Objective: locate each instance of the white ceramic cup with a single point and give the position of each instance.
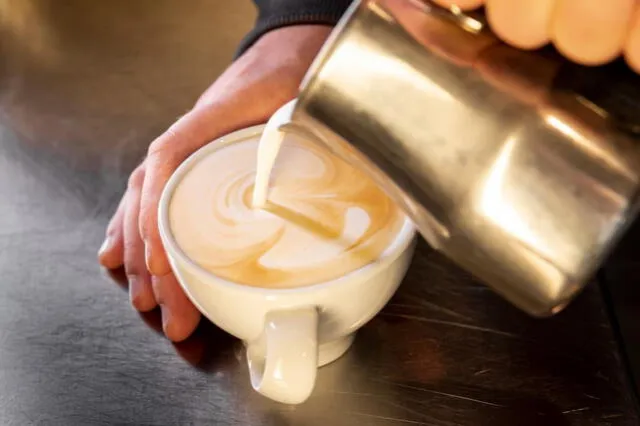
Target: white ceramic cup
(288, 333)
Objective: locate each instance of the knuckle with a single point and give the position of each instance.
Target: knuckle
(144, 224)
(147, 214)
(136, 179)
(162, 145)
(133, 255)
(130, 259)
(157, 147)
(163, 152)
(114, 228)
(161, 158)
(131, 269)
(156, 288)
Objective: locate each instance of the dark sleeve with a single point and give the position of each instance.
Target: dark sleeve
(274, 14)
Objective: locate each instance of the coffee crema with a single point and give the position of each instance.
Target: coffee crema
(322, 220)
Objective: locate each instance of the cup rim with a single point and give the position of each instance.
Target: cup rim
(399, 245)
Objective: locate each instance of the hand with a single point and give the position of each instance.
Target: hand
(591, 32)
(248, 93)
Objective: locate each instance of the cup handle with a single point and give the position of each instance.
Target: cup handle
(283, 361)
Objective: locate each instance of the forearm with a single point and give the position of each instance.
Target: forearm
(281, 13)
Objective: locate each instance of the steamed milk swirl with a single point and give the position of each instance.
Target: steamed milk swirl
(322, 219)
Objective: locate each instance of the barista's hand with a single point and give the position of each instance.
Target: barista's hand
(591, 32)
(249, 91)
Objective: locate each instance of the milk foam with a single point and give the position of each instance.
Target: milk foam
(322, 220)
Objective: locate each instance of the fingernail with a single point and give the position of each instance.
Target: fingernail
(167, 319)
(139, 294)
(147, 255)
(134, 290)
(106, 245)
(155, 285)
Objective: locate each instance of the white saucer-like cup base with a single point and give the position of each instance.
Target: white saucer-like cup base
(331, 351)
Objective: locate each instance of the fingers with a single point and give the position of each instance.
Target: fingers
(111, 253)
(179, 317)
(591, 32)
(125, 246)
(166, 153)
(632, 46)
(522, 23)
(462, 4)
(140, 291)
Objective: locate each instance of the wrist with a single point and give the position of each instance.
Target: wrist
(298, 44)
(268, 74)
(285, 54)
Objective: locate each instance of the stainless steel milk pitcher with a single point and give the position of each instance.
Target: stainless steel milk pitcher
(522, 168)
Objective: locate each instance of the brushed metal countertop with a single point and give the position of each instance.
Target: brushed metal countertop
(84, 87)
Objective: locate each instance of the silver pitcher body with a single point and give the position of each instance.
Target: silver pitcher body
(505, 161)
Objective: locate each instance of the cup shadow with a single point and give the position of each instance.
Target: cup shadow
(208, 349)
(118, 276)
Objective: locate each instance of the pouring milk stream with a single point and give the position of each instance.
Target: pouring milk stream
(268, 149)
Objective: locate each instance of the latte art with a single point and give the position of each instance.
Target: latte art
(322, 220)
